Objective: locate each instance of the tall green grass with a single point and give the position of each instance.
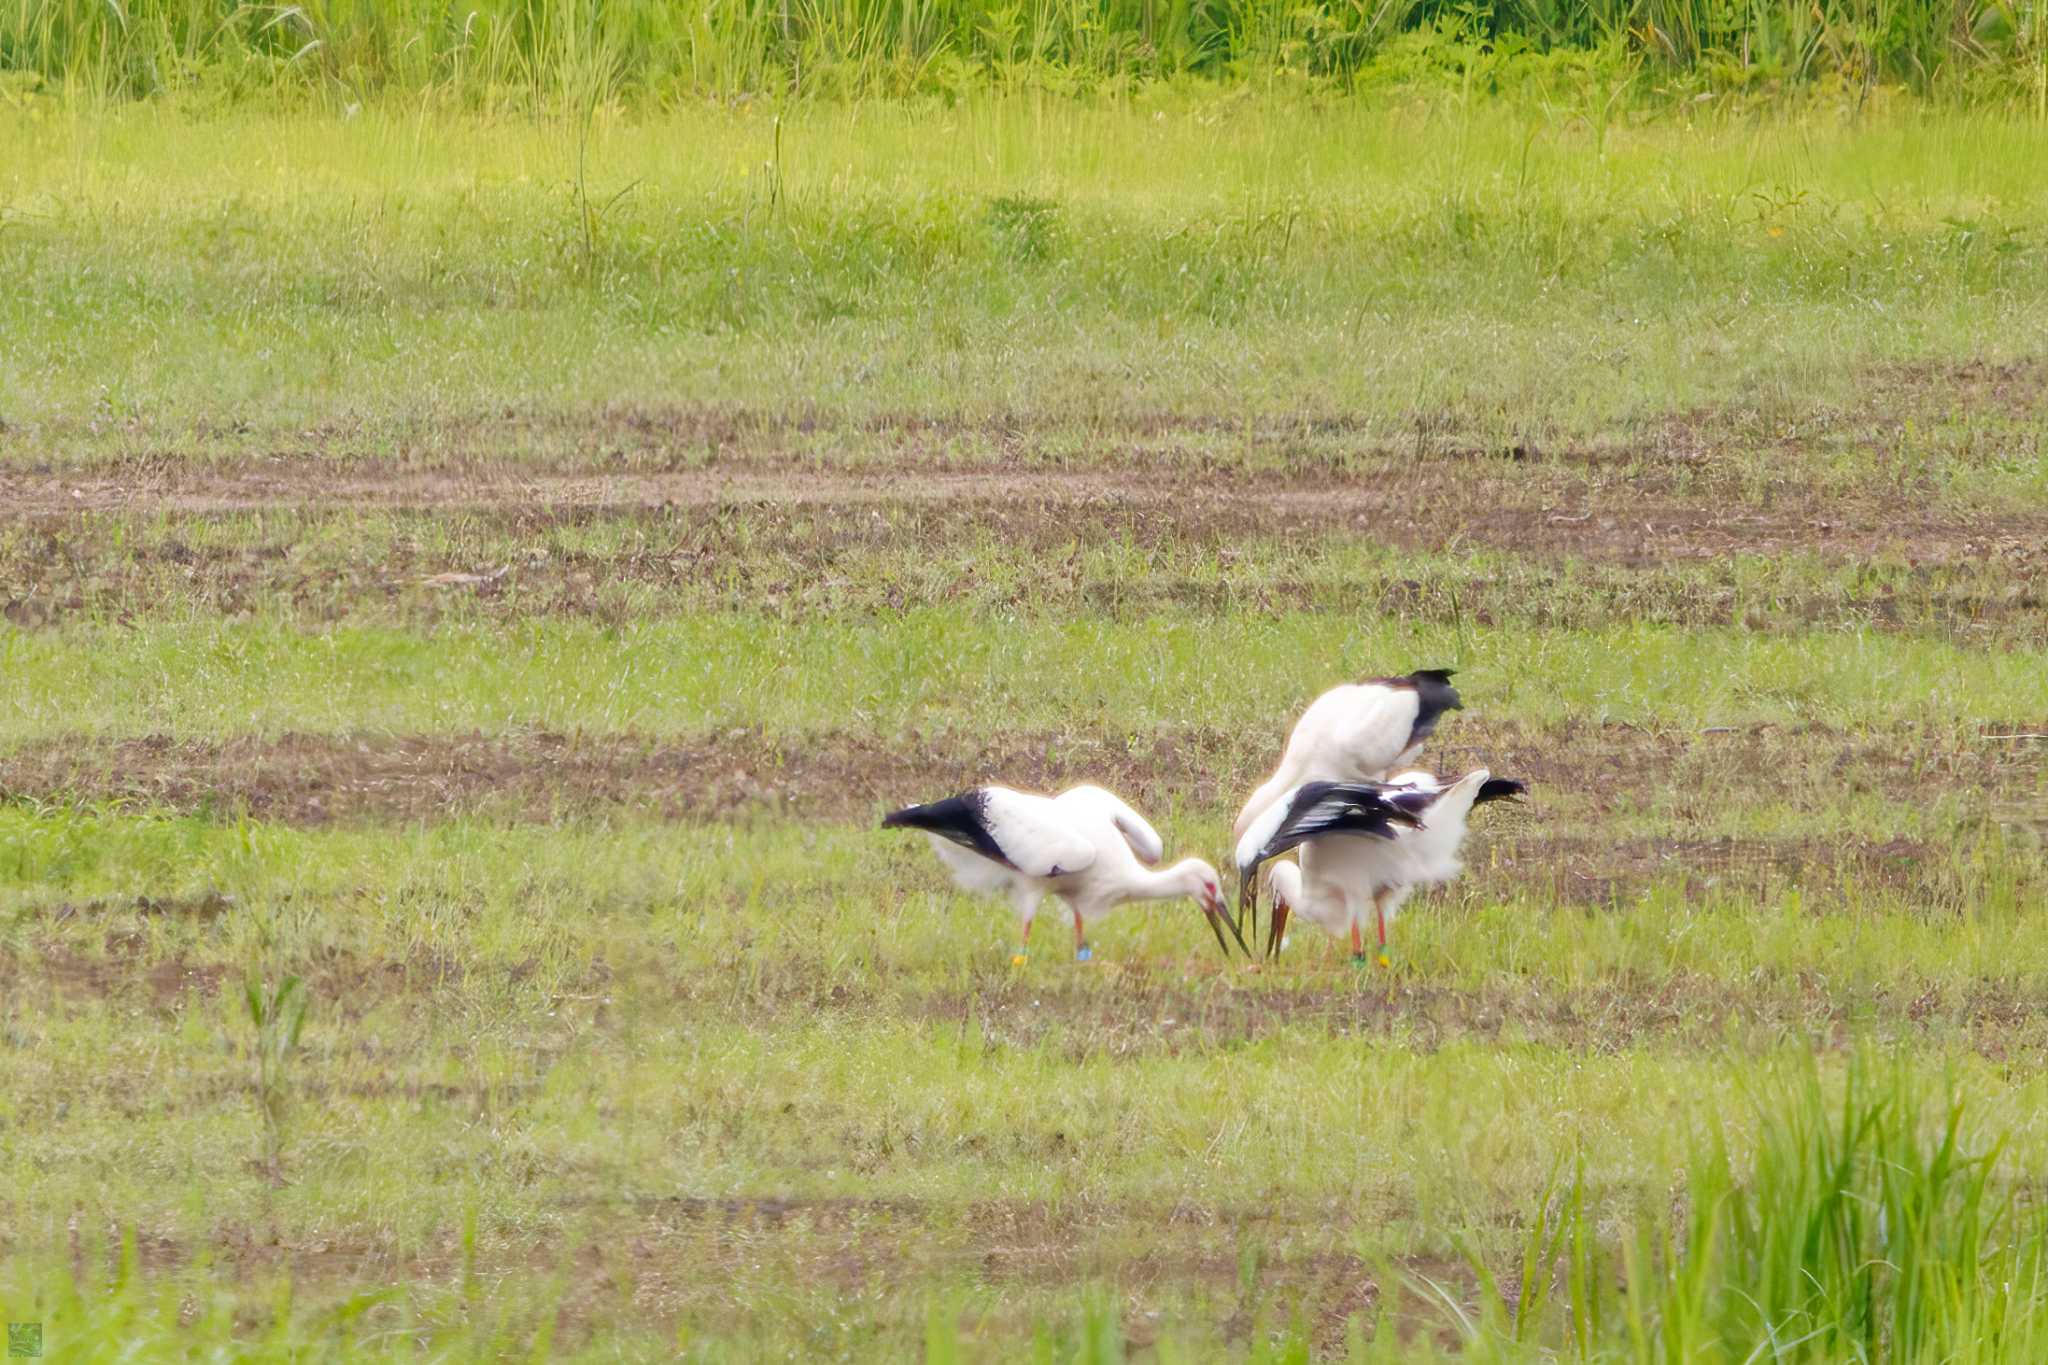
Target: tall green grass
(1867, 1226)
(500, 52)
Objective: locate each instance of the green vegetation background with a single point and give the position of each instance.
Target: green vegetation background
(495, 53)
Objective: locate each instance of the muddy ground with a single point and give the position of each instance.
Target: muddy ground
(1622, 514)
(757, 511)
(312, 779)
(828, 550)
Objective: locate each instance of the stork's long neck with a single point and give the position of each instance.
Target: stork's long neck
(1443, 827)
(1144, 884)
(1272, 789)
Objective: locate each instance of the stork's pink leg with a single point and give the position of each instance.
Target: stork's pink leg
(1357, 943)
(1081, 952)
(1379, 905)
(1023, 948)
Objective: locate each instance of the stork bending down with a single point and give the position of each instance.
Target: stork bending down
(1085, 846)
(1339, 872)
(1364, 814)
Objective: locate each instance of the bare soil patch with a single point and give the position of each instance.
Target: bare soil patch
(811, 545)
(1112, 1009)
(791, 511)
(1537, 509)
(803, 434)
(2018, 386)
(311, 779)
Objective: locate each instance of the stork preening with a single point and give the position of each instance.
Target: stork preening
(1085, 846)
(1351, 856)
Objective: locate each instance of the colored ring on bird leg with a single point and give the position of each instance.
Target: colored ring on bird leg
(1084, 953)
(1017, 960)
(1386, 961)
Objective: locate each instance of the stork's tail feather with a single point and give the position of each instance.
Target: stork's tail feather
(1499, 789)
(952, 814)
(962, 819)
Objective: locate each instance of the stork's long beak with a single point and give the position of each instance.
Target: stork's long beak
(1279, 927)
(1247, 901)
(1216, 923)
(1248, 898)
(1212, 910)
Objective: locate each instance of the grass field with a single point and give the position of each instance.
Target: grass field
(493, 572)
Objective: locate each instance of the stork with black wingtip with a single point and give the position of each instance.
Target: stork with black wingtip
(1358, 732)
(1360, 818)
(1086, 846)
(1337, 877)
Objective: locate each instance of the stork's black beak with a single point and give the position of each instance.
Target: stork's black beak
(1216, 923)
(1212, 910)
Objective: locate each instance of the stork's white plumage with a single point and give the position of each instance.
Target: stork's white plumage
(1086, 846)
(1356, 733)
(1360, 821)
(1338, 876)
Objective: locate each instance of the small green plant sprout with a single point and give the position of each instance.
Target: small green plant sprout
(277, 1016)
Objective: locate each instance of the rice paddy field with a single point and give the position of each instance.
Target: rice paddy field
(473, 577)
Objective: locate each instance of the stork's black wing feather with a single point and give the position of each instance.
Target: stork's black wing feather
(1369, 809)
(962, 819)
(1362, 809)
(1414, 800)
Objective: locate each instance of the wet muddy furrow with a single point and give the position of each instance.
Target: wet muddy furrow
(1037, 550)
(1166, 1005)
(312, 779)
(1539, 510)
(1523, 548)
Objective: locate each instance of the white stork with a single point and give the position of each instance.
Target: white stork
(1359, 732)
(1085, 846)
(1341, 871)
